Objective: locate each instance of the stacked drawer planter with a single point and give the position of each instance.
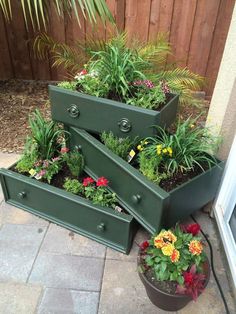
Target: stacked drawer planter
(143, 201)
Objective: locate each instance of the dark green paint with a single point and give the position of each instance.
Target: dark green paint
(148, 203)
(98, 114)
(102, 224)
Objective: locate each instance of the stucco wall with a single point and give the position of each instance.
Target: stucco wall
(222, 113)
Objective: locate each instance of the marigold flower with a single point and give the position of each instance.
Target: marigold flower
(64, 150)
(169, 236)
(168, 249)
(175, 256)
(159, 242)
(102, 181)
(87, 181)
(195, 247)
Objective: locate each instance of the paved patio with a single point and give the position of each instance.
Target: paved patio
(45, 268)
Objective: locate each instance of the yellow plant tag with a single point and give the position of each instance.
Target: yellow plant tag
(131, 155)
(32, 172)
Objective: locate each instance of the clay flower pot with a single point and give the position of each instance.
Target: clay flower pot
(167, 301)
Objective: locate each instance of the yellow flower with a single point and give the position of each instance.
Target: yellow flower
(140, 148)
(174, 256)
(168, 249)
(159, 242)
(169, 236)
(145, 143)
(164, 150)
(159, 147)
(192, 126)
(170, 151)
(195, 247)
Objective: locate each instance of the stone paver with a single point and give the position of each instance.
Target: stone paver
(7, 160)
(19, 246)
(62, 301)
(122, 291)
(67, 271)
(17, 298)
(139, 238)
(11, 215)
(70, 243)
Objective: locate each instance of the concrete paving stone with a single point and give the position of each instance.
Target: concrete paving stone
(141, 236)
(17, 298)
(56, 301)
(1, 196)
(19, 246)
(61, 240)
(11, 215)
(123, 292)
(67, 271)
(7, 160)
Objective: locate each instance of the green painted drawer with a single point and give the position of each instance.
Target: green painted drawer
(73, 212)
(98, 114)
(148, 203)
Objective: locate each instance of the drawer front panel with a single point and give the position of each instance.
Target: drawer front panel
(97, 114)
(112, 229)
(138, 194)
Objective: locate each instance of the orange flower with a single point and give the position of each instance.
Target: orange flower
(169, 236)
(195, 247)
(168, 249)
(175, 256)
(158, 242)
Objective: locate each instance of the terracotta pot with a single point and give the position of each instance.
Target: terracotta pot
(167, 301)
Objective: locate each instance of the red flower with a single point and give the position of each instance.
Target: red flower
(87, 181)
(64, 150)
(188, 278)
(193, 228)
(83, 72)
(144, 245)
(102, 181)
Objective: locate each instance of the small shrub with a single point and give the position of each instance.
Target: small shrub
(73, 186)
(75, 162)
(119, 146)
(67, 85)
(25, 164)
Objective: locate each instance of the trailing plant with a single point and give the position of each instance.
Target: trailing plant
(177, 256)
(46, 136)
(75, 162)
(190, 147)
(73, 186)
(119, 146)
(46, 169)
(121, 61)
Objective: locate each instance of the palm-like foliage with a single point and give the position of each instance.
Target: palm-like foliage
(152, 60)
(37, 10)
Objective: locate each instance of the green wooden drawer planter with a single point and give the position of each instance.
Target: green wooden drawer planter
(98, 114)
(148, 203)
(102, 224)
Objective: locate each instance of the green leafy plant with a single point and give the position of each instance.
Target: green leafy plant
(119, 146)
(46, 136)
(190, 147)
(37, 11)
(97, 192)
(46, 169)
(75, 162)
(67, 85)
(90, 83)
(176, 256)
(73, 186)
(29, 156)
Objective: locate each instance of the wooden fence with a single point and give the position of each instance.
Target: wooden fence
(197, 31)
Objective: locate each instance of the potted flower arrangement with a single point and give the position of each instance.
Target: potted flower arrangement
(49, 181)
(173, 267)
(170, 176)
(126, 87)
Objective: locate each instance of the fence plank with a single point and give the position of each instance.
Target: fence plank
(218, 43)
(18, 44)
(137, 19)
(181, 26)
(110, 28)
(205, 20)
(6, 70)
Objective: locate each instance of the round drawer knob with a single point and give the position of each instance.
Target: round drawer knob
(77, 147)
(73, 111)
(21, 195)
(101, 227)
(136, 198)
(125, 125)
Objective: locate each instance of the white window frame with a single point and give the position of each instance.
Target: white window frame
(223, 209)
